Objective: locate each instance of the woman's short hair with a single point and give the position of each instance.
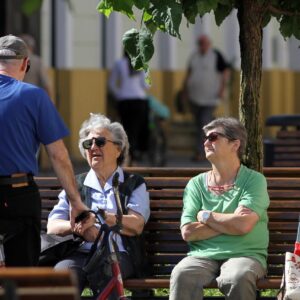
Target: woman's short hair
(99, 121)
(233, 129)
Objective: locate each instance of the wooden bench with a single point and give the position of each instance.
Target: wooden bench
(38, 283)
(165, 247)
(284, 149)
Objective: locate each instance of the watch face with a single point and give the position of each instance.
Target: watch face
(206, 215)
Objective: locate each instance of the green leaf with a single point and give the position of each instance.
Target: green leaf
(221, 12)
(105, 8)
(146, 16)
(266, 19)
(139, 46)
(227, 2)
(205, 6)
(125, 7)
(151, 26)
(296, 27)
(286, 26)
(166, 15)
(190, 10)
(142, 4)
(30, 6)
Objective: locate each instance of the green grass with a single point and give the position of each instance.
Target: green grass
(216, 292)
(207, 292)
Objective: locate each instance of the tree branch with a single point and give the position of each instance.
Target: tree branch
(278, 11)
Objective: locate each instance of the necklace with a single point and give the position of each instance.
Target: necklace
(218, 189)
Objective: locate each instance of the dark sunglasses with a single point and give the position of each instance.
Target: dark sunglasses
(213, 136)
(99, 141)
(28, 66)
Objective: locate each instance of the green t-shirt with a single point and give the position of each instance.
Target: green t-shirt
(250, 190)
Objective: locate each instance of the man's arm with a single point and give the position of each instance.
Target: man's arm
(224, 79)
(197, 231)
(240, 222)
(62, 166)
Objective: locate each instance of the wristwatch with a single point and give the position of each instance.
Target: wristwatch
(205, 215)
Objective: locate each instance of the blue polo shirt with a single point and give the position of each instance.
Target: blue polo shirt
(27, 118)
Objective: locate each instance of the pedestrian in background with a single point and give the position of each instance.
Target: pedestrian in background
(129, 88)
(38, 72)
(27, 118)
(204, 87)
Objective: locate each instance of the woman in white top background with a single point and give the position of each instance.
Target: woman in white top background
(129, 88)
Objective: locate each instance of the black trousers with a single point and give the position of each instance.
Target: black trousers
(134, 116)
(20, 224)
(77, 260)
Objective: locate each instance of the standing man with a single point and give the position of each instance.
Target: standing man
(204, 87)
(27, 118)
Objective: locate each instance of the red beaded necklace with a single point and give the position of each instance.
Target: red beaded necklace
(218, 189)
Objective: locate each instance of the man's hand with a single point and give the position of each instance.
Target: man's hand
(84, 225)
(75, 210)
(221, 94)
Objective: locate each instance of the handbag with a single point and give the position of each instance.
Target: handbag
(290, 285)
(55, 248)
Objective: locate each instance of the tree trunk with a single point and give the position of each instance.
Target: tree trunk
(250, 17)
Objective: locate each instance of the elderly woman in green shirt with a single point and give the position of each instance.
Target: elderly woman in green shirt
(224, 220)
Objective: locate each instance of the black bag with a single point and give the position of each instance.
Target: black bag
(55, 248)
(179, 102)
(98, 263)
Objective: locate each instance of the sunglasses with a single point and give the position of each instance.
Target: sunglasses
(212, 137)
(99, 141)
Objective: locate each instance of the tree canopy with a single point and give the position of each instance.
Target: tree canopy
(167, 16)
(253, 15)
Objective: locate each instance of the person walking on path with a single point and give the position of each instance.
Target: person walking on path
(204, 87)
(27, 118)
(129, 87)
(38, 72)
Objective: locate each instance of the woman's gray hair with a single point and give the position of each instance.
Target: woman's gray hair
(233, 129)
(99, 121)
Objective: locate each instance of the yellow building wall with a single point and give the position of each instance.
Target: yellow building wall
(78, 92)
(278, 96)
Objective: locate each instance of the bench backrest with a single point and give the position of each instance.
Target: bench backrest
(38, 283)
(165, 246)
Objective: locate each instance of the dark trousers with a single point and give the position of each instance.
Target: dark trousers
(76, 262)
(202, 116)
(134, 115)
(20, 224)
